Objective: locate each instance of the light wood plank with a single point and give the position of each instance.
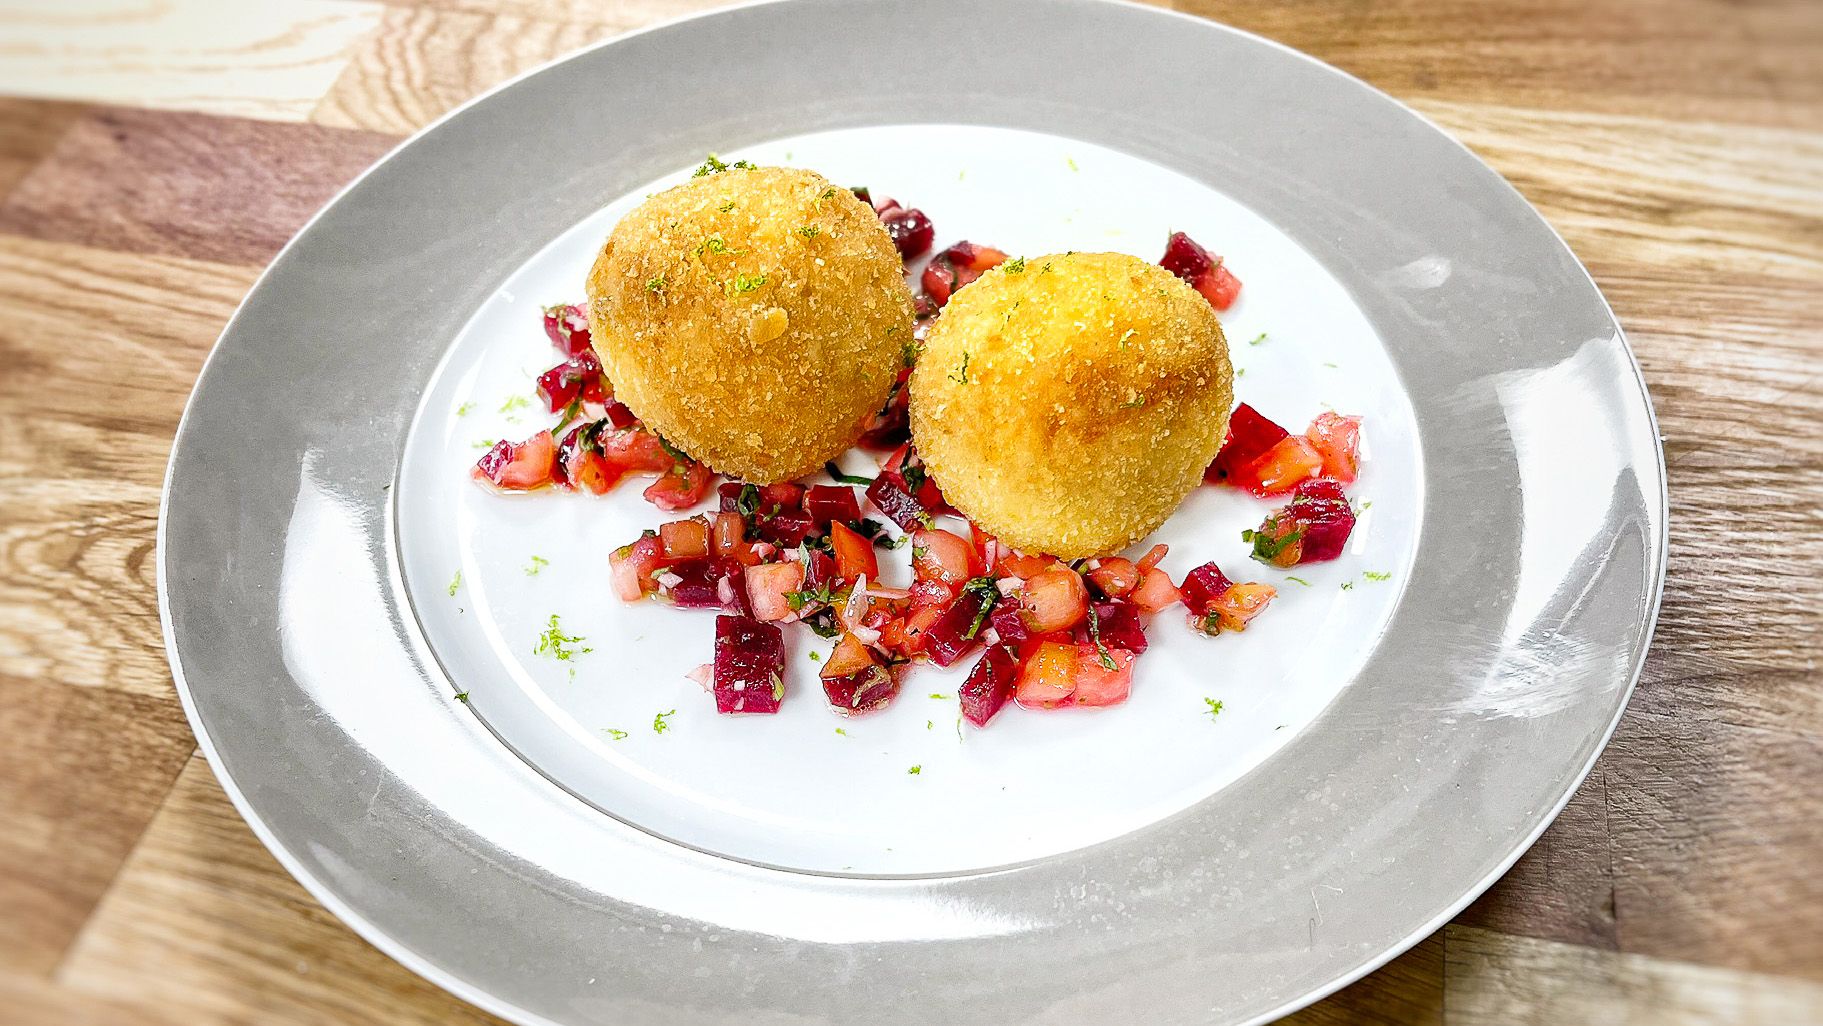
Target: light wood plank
(229, 190)
(1495, 980)
(1408, 991)
(204, 923)
(272, 59)
(29, 129)
(423, 62)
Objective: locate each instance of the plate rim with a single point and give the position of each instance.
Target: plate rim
(506, 1009)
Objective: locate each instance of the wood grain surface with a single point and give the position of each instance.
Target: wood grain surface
(154, 156)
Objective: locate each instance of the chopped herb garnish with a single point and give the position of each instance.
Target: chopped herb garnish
(989, 591)
(910, 350)
(617, 735)
(486, 443)
(1133, 404)
(1299, 580)
(913, 473)
(462, 696)
(655, 284)
(1070, 162)
(1365, 506)
(748, 502)
(1268, 544)
(1348, 586)
(538, 563)
(671, 450)
(659, 726)
(455, 583)
(558, 645)
(816, 657)
(938, 695)
(1015, 265)
(725, 207)
(1215, 707)
(834, 471)
(1103, 656)
(961, 376)
(842, 732)
(821, 595)
(915, 770)
(1240, 372)
(1257, 339)
(828, 193)
(1375, 575)
(744, 283)
(1331, 366)
(517, 402)
(930, 724)
(465, 409)
(810, 231)
(713, 166)
(824, 625)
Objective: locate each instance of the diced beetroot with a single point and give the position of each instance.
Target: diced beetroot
(766, 500)
(957, 266)
(579, 376)
(1120, 627)
(1202, 269)
(1313, 528)
(864, 692)
(891, 427)
(786, 530)
(1326, 532)
(1007, 623)
(696, 587)
(826, 503)
(620, 416)
(819, 569)
(749, 665)
(568, 328)
(1250, 435)
(520, 466)
(731, 587)
(1320, 489)
(1203, 586)
(911, 231)
(955, 632)
(989, 685)
(890, 498)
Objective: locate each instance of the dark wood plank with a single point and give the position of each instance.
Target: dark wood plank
(223, 189)
(28, 131)
(1408, 991)
(1563, 888)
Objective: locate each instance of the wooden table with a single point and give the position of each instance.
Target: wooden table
(153, 157)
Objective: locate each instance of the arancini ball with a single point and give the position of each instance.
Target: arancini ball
(754, 317)
(1068, 404)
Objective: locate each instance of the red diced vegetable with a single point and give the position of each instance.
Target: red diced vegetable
(1313, 528)
(731, 586)
(786, 530)
(906, 635)
(579, 376)
(1155, 591)
(634, 451)
(1203, 270)
(989, 685)
(580, 464)
(849, 657)
(631, 567)
(685, 539)
(697, 585)
(1249, 437)
(865, 691)
(891, 498)
(959, 628)
(890, 428)
(1120, 627)
(520, 466)
(1098, 684)
(1153, 557)
(911, 232)
(957, 266)
(938, 555)
(1055, 600)
(620, 416)
(685, 485)
(829, 503)
(1014, 564)
(1115, 576)
(749, 665)
(819, 569)
(768, 588)
(1281, 468)
(854, 554)
(1337, 439)
(568, 328)
(1236, 607)
(1203, 586)
(1008, 625)
(1048, 678)
(931, 593)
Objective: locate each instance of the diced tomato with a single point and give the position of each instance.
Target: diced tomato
(938, 555)
(1153, 557)
(931, 593)
(1115, 577)
(568, 328)
(1049, 676)
(849, 657)
(782, 495)
(1249, 436)
(685, 485)
(632, 567)
(855, 556)
(819, 569)
(1024, 567)
(1279, 540)
(1201, 269)
(1279, 471)
(635, 450)
(520, 466)
(826, 504)
(577, 377)
(1337, 439)
(621, 417)
(685, 539)
(1055, 600)
(1239, 605)
(1155, 591)
(907, 635)
(768, 585)
(580, 464)
(1220, 288)
(1096, 684)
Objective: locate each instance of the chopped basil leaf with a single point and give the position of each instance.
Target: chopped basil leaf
(834, 471)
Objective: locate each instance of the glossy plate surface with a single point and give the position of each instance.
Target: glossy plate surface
(1358, 789)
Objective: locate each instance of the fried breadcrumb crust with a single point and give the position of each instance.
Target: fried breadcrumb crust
(754, 317)
(1069, 404)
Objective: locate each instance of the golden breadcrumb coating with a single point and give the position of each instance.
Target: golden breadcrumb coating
(1068, 403)
(754, 317)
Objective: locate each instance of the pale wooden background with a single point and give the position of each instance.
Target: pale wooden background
(153, 155)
